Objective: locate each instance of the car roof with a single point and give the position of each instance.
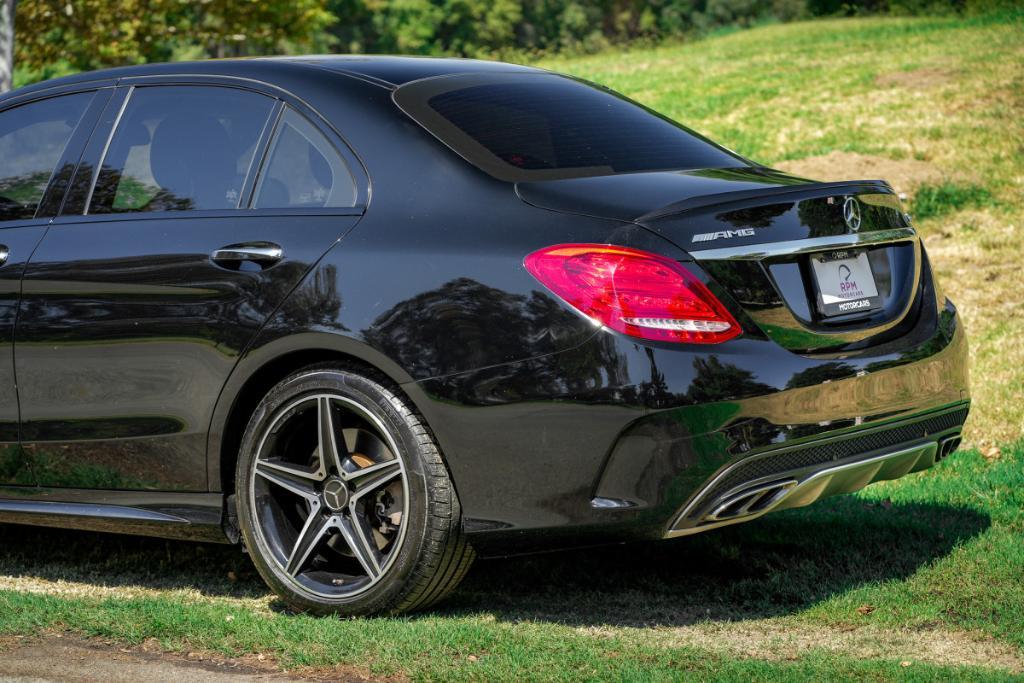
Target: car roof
(386, 71)
(397, 71)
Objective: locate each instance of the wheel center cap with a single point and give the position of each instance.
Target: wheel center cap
(335, 495)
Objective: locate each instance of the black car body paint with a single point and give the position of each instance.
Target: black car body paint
(138, 359)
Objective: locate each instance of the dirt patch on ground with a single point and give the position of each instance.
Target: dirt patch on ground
(84, 589)
(772, 640)
(68, 658)
(905, 175)
(918, 79)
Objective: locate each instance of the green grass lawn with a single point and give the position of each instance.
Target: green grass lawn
(918, 579)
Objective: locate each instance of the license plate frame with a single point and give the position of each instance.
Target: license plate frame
(844, 283)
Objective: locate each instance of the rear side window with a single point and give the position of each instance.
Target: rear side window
(32, 141)
(521, 127)
(180, 148)
(303, 170)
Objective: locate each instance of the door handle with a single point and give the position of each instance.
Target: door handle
(4, 254)
(265, 254)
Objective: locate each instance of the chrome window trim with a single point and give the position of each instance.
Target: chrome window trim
(106, 148)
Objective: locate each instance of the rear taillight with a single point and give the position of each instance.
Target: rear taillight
(634, 292)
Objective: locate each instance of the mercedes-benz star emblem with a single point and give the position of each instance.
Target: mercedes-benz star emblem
(335, 495)
(851, 213)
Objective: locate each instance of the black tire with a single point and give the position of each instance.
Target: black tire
(409, 564)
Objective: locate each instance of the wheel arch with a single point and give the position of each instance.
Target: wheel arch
(263, 367)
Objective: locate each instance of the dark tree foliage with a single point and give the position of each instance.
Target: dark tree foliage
(509, 27)
(60, 36)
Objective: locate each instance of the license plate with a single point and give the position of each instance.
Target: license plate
(845, 283)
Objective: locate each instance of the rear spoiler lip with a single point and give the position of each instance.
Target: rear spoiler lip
(800, 191)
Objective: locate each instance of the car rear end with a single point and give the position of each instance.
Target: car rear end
(782, 339)
(836, 280)
(825, 357)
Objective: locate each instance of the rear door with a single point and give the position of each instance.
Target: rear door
(41, 138)
(146, 289)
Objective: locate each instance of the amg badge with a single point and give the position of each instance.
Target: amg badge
(708, 236)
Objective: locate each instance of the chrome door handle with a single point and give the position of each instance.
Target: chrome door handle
(4, 254)
(263, 253)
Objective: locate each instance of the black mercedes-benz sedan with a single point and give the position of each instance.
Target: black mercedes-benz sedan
(371, 317)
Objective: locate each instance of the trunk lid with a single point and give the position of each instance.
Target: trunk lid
(778, 244)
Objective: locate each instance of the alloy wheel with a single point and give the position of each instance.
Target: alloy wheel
(330, 496)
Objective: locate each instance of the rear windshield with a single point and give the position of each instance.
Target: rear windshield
(522, 127)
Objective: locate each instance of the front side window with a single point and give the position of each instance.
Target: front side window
(180, 148)
(303, 170)
(32, 141)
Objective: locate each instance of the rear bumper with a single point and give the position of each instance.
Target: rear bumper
(616, 440)
(796, 476)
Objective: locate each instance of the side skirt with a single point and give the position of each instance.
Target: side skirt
(165, 514)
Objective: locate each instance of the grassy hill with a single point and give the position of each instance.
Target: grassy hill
(919, 579)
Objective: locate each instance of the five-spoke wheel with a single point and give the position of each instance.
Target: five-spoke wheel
(334, 497)
(330, 493)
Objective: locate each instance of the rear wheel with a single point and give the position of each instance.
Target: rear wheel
(343, 500)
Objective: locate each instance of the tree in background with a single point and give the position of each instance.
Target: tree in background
(63, 36)
(235, 28)
(496, 28)
(86, 34)
(7, 44)
(75, 35)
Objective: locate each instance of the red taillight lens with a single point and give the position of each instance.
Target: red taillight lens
(634, 292)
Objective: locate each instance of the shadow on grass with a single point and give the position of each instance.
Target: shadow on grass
(774, 566)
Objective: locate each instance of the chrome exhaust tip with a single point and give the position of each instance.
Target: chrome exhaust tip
(802, 487)
(947, 446)
(751, 501)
